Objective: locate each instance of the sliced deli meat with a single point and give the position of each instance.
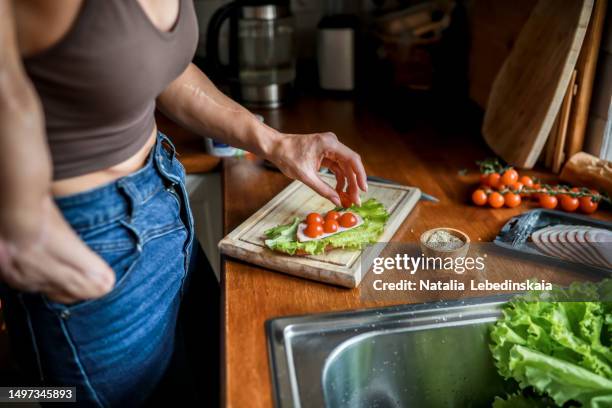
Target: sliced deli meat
(567, 239)
(576, 243)
(589, 248)
(540, 239)
(601, 240)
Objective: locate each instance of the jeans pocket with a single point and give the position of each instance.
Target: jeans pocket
(119, 245)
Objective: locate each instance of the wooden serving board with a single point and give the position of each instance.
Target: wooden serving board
(339, 267)
(528, 91)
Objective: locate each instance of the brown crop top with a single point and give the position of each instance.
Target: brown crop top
(98, 84)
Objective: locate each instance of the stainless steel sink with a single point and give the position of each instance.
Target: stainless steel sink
(427, 355)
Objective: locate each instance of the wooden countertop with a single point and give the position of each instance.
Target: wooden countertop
(425, 158)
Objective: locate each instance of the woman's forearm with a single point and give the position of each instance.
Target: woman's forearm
(25, 168)
(194, 102)
(25, 165)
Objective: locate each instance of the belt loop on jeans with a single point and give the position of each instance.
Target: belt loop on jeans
(167, 145)
(133, 195)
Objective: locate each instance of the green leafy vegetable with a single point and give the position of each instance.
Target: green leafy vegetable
(557, 345)
(283, 238)
(519, 400)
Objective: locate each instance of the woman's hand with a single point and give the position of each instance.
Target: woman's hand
(301, 156)
(41, 253)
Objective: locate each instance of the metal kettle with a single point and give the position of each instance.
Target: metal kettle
(262, 59)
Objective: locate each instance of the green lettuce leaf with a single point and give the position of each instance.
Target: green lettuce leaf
(558, 346)
(519, 400)
(283, 237)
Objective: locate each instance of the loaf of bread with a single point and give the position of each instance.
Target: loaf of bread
(583, 169)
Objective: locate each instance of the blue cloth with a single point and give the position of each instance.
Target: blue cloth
(115, 349)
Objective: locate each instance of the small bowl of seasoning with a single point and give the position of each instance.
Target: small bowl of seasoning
(444, 243)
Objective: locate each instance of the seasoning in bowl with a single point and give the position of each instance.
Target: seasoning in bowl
(442, 239)
(444, 242)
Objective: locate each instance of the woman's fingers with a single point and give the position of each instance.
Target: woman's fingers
(349, 159)
(64, 245)
(339, 174)
(353, 188)
(322, 188)
(88, 267)
(43, 272)
(60, 296)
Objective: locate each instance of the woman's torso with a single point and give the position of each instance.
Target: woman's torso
(98, 67)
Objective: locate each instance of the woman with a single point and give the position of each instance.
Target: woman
(96, 235)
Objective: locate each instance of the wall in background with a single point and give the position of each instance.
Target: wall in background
(494, 26)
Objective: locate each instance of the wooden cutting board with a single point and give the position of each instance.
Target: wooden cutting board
(529, 88)
(339, 267)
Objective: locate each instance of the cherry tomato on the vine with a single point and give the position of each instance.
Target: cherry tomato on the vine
(569, 203)
(509, 176)
(587, 205)
(517, 186)
(496, 200)
(527, 181)
(548, 201)
(512, 200)
(493, 180)
(479, 197)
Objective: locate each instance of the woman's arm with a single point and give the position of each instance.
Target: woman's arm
(38, 249)
(193, 101)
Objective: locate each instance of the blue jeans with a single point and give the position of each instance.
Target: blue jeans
(115, 349)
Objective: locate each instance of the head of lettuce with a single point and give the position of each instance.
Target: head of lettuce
(559, 344)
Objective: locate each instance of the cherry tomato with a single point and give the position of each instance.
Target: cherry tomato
(330, 226)
(345, 200)
(313, 230)
(348, 220)
(332, 215)
(587, 205)
(517, 186)
(496, 200)
(484, 179)
(512, 200)
(548, 201)
(479, 197)
(509, 177)
(568, 203)
(527, 181)
(314, 218)
(493, 180)
(536, 196)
